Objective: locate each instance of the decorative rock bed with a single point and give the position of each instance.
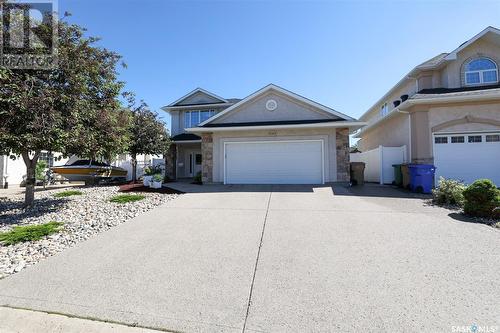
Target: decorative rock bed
(83, 216)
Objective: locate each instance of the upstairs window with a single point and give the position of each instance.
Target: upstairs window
(481, 71)
(193, 118)
(384, 109)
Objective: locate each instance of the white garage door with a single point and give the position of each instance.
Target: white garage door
(274, 162)
(468, 156)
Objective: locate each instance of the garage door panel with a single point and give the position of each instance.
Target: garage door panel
(277, 162)
(467, 161)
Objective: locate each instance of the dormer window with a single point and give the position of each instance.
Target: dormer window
(481, 71)
(193, 118)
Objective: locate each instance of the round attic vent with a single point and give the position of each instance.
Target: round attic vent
(271, 105)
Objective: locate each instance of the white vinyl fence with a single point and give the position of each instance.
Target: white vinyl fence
(379, 161)
(142, 162)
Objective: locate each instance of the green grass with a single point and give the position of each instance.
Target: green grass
(29, 233)
(124, 198)
(68, 193)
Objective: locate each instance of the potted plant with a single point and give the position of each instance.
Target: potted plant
(146, 179)
(149, 172)
(197, 179)
(157, 181)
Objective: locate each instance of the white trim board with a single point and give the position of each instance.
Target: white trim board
(334, 124)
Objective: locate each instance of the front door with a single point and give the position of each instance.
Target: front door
(194, 163)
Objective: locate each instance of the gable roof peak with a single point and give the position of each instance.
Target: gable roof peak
(195, 91)
(488, 30)
(283, 91)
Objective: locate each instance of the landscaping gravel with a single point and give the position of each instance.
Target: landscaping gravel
(83, 216)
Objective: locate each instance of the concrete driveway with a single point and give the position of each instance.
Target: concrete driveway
(278, 259)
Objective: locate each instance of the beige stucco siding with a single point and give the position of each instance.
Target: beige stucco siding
(327, 135)
(392, 133)
(255, 111)
(442, 114)
(408, 88)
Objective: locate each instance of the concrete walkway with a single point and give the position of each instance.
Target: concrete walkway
(277, 259)
(27, 321)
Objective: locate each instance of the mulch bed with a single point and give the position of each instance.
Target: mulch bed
(139, 187)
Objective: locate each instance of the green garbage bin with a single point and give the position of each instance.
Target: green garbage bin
(406, 175)
(398, 176)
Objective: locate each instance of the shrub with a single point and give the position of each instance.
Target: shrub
(482, 199)
(157, 177)
(152, 170)
(449, 192)
(29, 233)
(124, 198)
(68, 193)
(197, 179)
(40, 168)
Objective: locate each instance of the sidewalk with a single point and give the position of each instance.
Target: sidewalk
(26, 321)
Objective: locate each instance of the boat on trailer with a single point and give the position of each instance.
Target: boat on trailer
(90, 171)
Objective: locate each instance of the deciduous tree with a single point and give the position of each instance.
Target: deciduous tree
(73, 108)
(148, 135)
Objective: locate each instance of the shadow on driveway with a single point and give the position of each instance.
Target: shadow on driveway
(338, 189)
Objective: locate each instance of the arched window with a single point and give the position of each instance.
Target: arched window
(481, 71)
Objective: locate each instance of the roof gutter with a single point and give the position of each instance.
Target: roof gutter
(453, 99)
(352, 125)
(436, 100)
(200, 106)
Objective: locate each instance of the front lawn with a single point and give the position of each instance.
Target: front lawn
(68, 193)
(29, 233)
(124, 198)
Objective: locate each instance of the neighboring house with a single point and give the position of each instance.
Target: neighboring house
(447, 111)
(13, 170)
(273, 136)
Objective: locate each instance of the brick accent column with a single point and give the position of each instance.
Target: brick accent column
(342, 145)
(171, 161)
(207, 164)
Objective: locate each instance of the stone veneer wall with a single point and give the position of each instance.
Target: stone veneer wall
(207, 164)
(342, 142)
(170, 162)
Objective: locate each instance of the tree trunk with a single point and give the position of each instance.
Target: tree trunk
(134, 168)
(29, 194)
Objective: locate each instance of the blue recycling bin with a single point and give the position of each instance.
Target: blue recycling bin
(421, 177)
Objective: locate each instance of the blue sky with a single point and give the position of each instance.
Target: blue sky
(345, 55)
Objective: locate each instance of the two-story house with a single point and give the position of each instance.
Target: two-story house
(447, 111)
(273, 136)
